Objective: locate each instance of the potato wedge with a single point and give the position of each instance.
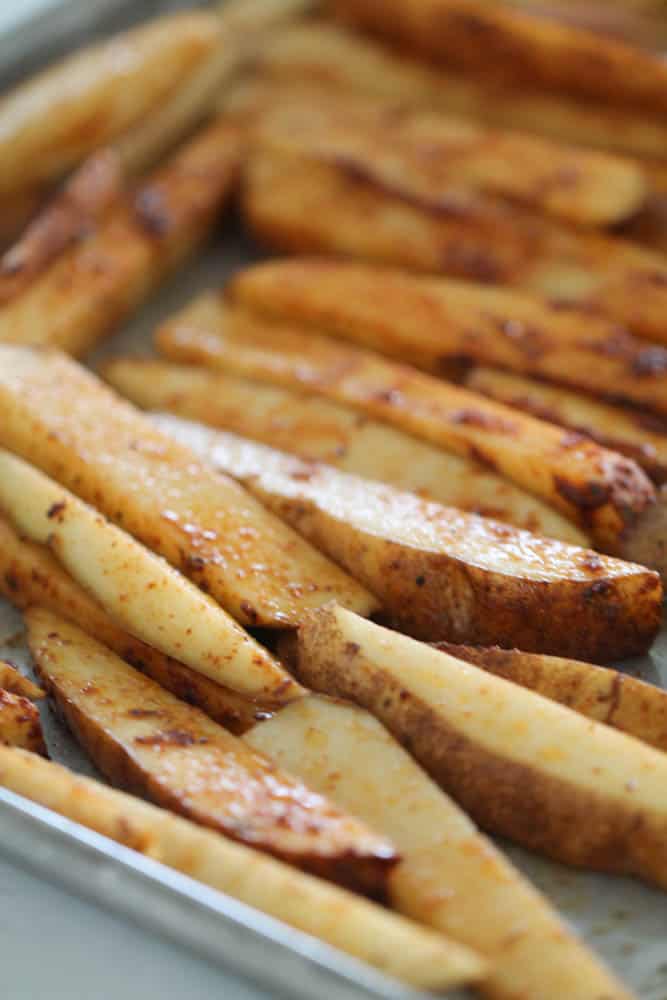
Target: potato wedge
(635, 433)
(608, 696)
(30, 575)
(605, 493)
(65, 422)
(530, 951)
(15, 683)
(431, 322)
(438, 572)
(301, 202)
(145, 740)
(522, 766)
(140, 591)
(507, 45)
(58, 117)
(20, 724)
(391, 943)
(91, 287)
(317, 429)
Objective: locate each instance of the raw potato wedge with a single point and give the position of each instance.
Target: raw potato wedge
(441, 573)
(605, 493)
(522, 766)
(55, 119)
(140, 591)
(91, 287)
(31, 576)
(435, 158)
(635, 433)
(511, 46)
(431, 322)
(371, 933)
(63, 420)
(20, 724)
(319, 430)
(301, 202)
(145, 740)
(14, 682)
(608, 696)
(530, 951)
(323, 54)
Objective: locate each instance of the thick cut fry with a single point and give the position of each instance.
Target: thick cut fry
(14, 682)
(30, 575)
(141, 592)
(51, 122)
(520, 765)
(432, 322)
(63, 420)
(438, 572)
(90, 288)
(303, 202)
(604, 492)
(444, 858)
(635, 433)
(435, 158)
(510, 46)
(322, 54)
(604, 695)
(320, 430)
(20, 724)
(392, 944)
(143, 739)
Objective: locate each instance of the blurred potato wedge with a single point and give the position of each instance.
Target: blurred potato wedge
(434, 322)
(63, 420)
(443, 857)
(438, 572)
(140, 591)
(14, 682)
(145, 740)
(20, 724)
(371, 933)
(522, 766)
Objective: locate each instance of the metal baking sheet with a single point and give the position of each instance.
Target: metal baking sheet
(624, 921)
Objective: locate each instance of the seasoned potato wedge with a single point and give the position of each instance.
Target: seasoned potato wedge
(90, 288)
(62, 419)
(300, 201)
(511, 46)
(640, 435)
(530, 952)
(608, 696)
(14, 682)
(438, 572)
(55, 119)
(522, 766)
(140, 591)
(603, 492)
(20, 724)
(320, 430)
(31, 575)
(392, 944)
(432, 322)
(144, 739)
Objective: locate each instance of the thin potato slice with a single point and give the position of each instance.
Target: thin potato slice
(30, 575)
(141, 592)
(20, 724)
(91, 287)
(14, 682)
(145, 740)
(603, 492)
(522, 766)
(303, 202)
(392, 944)
(438, 572)
(608, 696)
(444, 858)
(65, 422)
(431, 322)
(319, 430)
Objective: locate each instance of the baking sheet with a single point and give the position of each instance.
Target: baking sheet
(622, 920)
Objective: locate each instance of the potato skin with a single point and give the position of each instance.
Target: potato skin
(20, 724)
(13, 681)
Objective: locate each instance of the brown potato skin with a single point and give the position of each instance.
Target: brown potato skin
(20, 724)
(10, 678)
